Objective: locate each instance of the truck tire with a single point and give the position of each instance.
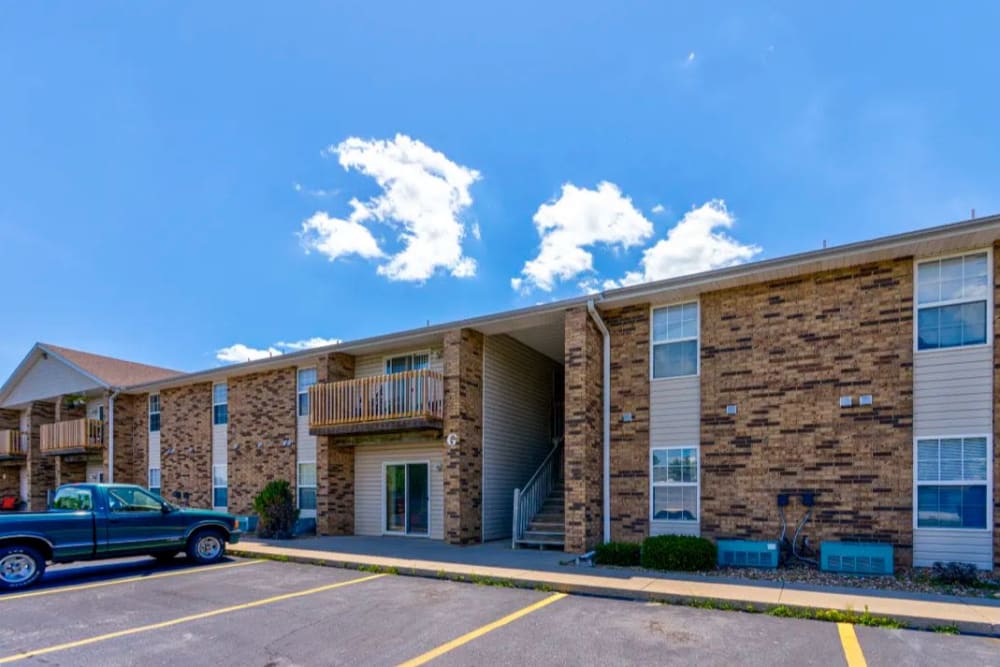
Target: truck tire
(206, 546)
(20, 567)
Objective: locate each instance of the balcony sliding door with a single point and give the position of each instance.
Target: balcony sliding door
(407, 498)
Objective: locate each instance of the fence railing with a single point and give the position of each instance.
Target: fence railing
(73, 434)
(408, 395)
(13, 443)
(529, 499)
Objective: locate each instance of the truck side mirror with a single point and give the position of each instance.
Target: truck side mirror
(165, 508)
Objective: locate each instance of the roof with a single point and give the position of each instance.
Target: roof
(109, 370)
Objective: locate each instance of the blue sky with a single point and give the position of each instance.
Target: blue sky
(158, 160)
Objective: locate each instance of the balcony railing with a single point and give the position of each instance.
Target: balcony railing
(76, 435)
(13, 444)
(412, 399)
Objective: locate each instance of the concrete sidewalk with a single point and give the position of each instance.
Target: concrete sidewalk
(542, 569)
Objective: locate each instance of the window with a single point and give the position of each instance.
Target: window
(675, 341)
(154, 480)
(220, 489)
(307, 378)
(952, 301)
(220, 404)
(952, 478)
(307, 486)
(132, 499)
(675, 484)
(73, 499)
(154, 413)
(407, 362)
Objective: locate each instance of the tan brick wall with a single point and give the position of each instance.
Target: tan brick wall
(784, 353)
(335, 465)
(583, 437)
(262, 416)
(463, 416)
(41, 468)
(186, 427)
(629, 329)
(131, 439)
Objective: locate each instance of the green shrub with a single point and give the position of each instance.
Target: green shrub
(275, 506)
(625, 554)
(963, 574)
(683, 553)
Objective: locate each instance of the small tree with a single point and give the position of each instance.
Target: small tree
(275, 507)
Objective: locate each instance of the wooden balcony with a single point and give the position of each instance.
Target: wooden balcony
(13, 445)
(76, 436)
(408, 401)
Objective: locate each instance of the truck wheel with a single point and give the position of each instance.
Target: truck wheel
(206, 546)
(20, 567)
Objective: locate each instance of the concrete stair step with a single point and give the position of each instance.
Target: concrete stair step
(546, 526)
(550, 517)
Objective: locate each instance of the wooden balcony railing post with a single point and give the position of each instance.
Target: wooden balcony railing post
(378, 398)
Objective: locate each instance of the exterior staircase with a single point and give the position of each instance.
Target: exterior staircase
(548, 527)
(539, 507)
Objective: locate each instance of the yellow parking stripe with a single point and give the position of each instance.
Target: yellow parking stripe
(490, 627)
(183, 619)
(852, 649)
(127, 580)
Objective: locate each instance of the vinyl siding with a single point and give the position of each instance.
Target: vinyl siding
(368, 483)
(675, 420)
(220, 447)
(953, 392)
(305, 445)
(965, 546)
(154, 449)
(94, 471)
(47, 379)
(374, 364)
(953, 395)
(517, 404)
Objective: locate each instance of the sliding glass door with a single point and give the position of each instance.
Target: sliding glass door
(406, 498)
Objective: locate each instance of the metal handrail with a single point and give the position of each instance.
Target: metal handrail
(529, 499)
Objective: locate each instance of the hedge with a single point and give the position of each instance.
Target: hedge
(683, 553)
(625, 554)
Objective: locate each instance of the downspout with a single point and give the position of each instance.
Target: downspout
(111, 437)
(606, 421)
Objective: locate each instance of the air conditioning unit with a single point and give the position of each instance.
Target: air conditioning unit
(748, 553)
(856, 557)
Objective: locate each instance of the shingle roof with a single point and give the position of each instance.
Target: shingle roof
(114, 372)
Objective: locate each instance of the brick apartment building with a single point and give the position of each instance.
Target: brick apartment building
(861, 375)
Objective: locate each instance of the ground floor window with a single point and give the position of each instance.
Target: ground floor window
(220, 485)
(674, 483)
(154, 480)
(307, 486)
(952, 482)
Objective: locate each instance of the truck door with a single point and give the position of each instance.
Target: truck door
(137, 524)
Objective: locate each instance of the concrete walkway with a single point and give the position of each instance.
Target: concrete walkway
(543, 569)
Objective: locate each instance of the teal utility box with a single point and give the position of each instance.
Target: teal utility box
(856, 557)
(748, 553)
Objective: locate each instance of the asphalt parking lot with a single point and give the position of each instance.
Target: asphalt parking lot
(244, 612)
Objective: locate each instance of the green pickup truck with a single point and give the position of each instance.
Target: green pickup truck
(97, 521)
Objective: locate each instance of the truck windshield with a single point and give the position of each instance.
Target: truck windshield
(73, 499)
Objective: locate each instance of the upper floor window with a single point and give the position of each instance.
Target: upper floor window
(220, 404)
(154, 413)
(952, 301)
(307, 378)
(675, 340)
(407, 362)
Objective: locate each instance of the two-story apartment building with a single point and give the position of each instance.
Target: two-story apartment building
(861, 377)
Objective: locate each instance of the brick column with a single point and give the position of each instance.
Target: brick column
(186, 443)
(463, 417)
(41, 469)
(334, 464)
(583, 439)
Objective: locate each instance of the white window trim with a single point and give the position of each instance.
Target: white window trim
(653, 343)
(403, 533)
(299, 392)
(150, 413)
(215, 405)
(309, 514)
(988, 482)
(652, 484)
(214, 486)
(387, 357)
(952, 302)
(149, 478)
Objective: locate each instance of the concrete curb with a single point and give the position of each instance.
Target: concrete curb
(916, 614)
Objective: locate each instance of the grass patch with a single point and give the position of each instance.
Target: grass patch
(491, 581)
(836, 616)
(944, 629)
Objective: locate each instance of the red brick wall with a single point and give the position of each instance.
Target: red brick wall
(784, 353)
(334, 465)
(186, 428)
(463, 416)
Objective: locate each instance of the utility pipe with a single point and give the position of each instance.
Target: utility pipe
(606, 421)
(111, 437)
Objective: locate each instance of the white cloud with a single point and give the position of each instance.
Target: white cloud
(423, 197)
(238, 352)
(580, 218)
(696, 243)
(690, 58)
(658, 209)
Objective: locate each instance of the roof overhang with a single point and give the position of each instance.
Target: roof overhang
(38, 352)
